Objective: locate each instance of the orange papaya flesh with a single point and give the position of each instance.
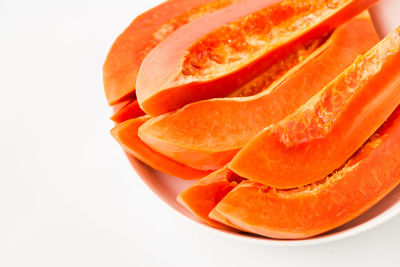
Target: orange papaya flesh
(218, 53)
(145, 32)
(207, 134)
(323, 133)
(277, 70)
(201, 198)
(219, 218)
(130, 111)
(317, 208)
(126, 134)
(117, 107)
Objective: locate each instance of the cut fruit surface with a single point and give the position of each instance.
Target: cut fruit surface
(222, 51)
(262, 82)
(323, 133)
(146, 31)
(131, 110)
(202, 197)
(207, 134)
(126, 134)
(314, 209)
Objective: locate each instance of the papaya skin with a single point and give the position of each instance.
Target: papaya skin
(126, 134)
(202, 197)
(130, 111)
(144, 33)
(207, 134)
(225, 48)
(371, 174)
(323, 133)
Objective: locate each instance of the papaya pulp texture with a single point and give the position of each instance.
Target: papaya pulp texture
(207, 134)
(314, 209)
(323, 133)
(201, 198)
(145, 32)
(126, 134)
(220, 52)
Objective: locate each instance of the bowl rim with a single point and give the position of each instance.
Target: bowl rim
(324, 238)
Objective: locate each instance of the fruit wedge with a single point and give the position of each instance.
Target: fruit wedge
(207, 134)
(130, 111)
(126, 134)
(279, 69)
(314, 209)
(216, 54)
(201, 198)
(117, 107)
(323, 133)
(146, 31)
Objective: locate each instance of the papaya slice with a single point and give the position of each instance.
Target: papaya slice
(130, 111)
(217, 217)
(201, 198)
(145, 32)
(323, 133)
(216, 54)
(207, 134)
(117, 107)
(317, 208)
(262, 82)
(126, 134)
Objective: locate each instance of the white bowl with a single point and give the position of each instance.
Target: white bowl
(386, 18)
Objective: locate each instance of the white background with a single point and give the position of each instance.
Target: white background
(68, 196)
